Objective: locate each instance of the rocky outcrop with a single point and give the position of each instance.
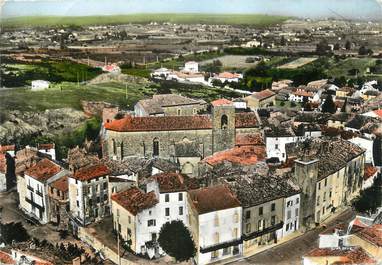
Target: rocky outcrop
(23, 125)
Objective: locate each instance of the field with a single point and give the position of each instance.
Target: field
(298, 63)
(186, 18)
(70, 95)
(231, 61)
(343, 67)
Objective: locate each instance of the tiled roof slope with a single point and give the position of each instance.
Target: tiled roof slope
(135, 200)
(43, 170)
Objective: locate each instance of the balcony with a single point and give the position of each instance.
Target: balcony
(221, 245)
(263, 232)
(38, 206)
(30, 188)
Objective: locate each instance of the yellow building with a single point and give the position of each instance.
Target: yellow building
(261, 99)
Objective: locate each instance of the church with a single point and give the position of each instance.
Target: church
(182, 139)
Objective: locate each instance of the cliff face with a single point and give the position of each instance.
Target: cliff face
(16, 126)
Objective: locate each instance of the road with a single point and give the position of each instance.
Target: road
(290, 253)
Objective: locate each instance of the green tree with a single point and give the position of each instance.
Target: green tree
(348, 45)
(329, 105)
(13, 232)
(176, 240)
(371, 198)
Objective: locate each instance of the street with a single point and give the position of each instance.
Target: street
(291, 252)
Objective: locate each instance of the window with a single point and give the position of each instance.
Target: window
(216, 237)
(297, 200)
(226, 251)
(273, 220)
(324, 198)
(114, 147)
(122, 154)
(167, 211)
(273, 207)
(261, 225)
(289, 214)
(247, 215)
(194, 111)
(180, 210)
(89, 189)
(98, 199)
(179, 112)
(105, 185)
(326, 182)
(323, 210)
(167, 197)
(296, 213)
(180, 196)
(261, 211)
(90, 202)
(78, 204)
(105, 197)
(151, 222)
(276, 146)
(287, 227)
(216, 220)
(214, 254)
(224, 122)
(236, 217)
(248, 228)
(156, 147)
(318, 200)
(319, 185)
(129, 219)
(153, 236)
(330, 194)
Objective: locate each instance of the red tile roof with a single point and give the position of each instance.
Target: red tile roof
(135, 200)
(174, 182)
(244, 155)
(6, 148)
(378, 112)
(45, 146)
(162, 123)
(246, 120)
(3, 163)
(61, 184)
(6, 259)
(91, 172)
(345, 256)
(221, 102)
(263, 94)
(373, 234)
(212, 199)
(249, 139)
(370, 171)
(228, 75)
(43, 170)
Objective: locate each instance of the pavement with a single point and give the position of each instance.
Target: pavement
(291, 251)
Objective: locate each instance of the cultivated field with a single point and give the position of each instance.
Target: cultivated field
(232, 61)
(298, 63)
(224, 19)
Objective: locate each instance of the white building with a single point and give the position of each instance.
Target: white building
(215, 223)
(40, 85)
(48, 149)
(88, 194)
(366, 144)
(37, 179)
(192, 67)
(161, 73)
(226, 77)
(291, 216)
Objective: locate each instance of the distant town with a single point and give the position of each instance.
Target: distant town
(194, 143)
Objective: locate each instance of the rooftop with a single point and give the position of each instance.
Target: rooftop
(211, 199)
(243, 155)
(221, 102)
(61, 184)
(6, 148)
(263, 94)
(45, 146)
(255, 190)
(354, 255)
(174, 182)
(135, 200)
(370, 171)
(372, 234)
(6, 258)
(91, 172)
(249, 139)
(43, 170)
(155, 105)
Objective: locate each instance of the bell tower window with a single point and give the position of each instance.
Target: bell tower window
(224, 122)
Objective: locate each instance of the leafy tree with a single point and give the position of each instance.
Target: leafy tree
(348, 45)
(13, 232)
(370, 199)
(329, 105)
(217, 83)
(340, 81)
(176, 240)
(362, 50)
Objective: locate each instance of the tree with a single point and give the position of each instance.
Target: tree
(217, 83)
(348, 45)
(13, 232)
(370, 199)
(329, 105)
(362, 50)
(175, 239)
(337, 46)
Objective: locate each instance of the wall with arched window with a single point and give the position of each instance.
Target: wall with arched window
(224, 122)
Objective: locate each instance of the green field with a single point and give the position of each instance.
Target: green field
(70, 95)
(342, 67)
(186, 18)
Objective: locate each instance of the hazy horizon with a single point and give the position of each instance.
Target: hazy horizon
(349, 9)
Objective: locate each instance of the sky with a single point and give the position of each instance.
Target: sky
(350, 9)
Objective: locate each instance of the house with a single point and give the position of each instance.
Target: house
(166, 196)
(345, 92)
(261, 99)
(48, 149)
(334, 256)
(59, 202)
(300, 95)
(226, 77)
(35, 196)
(111, 68)
(318, 83)
(161, 73)
(169, 105)
(339, 120)
(263, 202)
(191, 66)
(133, 218)
(239, 103)
(329, 173)
(3, 173)
(215, 224)
(367, 144)
(40, 85)
(9, 149)
(88, 194)
(282, 84)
